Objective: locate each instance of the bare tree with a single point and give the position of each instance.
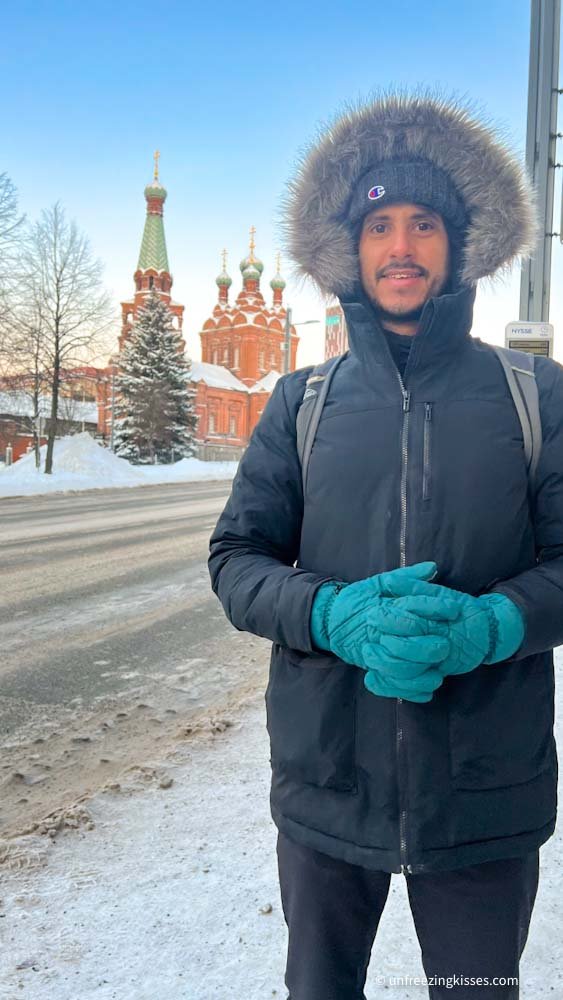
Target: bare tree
(61, 282)
(22, 364)
(10, 221)
(11, 228)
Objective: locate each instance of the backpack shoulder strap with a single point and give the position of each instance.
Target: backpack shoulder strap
(309, 413)
(521, 377)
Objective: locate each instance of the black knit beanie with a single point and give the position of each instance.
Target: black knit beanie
(417, 182)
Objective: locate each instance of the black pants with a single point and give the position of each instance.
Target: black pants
(471, 922)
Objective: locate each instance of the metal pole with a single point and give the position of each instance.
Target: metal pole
(286, 359)
(540, 151)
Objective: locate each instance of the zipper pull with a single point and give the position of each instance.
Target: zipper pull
(428, 411)
(406, 401)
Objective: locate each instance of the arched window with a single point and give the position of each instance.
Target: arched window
(151, 282)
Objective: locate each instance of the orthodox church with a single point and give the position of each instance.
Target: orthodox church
(242, 344)
(242, 349)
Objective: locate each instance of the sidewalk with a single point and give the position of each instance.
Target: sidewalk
(173, 894)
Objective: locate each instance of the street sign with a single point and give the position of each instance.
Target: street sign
(532, 337)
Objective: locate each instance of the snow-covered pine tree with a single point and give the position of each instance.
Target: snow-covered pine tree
(155, 413)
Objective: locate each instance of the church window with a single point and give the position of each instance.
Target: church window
(237, 358)
(233, 425)
(215, 356)
(261, 360)
(212, 423)
(226, 355)
(151, 282)
(273, 359)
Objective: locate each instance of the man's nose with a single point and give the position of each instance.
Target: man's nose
(401, 243)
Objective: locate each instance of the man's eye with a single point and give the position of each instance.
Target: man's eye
(378, 227)
(425, 226)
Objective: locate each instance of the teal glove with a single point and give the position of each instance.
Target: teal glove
(490, 628)
(363, 624)
(419, 689)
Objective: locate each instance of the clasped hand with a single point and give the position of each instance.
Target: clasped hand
(399, 647)
(408, 633)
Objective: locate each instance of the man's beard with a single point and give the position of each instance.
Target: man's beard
(386, 316)
(413, 315)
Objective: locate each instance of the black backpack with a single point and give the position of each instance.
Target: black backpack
(520, 374)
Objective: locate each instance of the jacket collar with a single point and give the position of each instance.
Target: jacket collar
(444, 327)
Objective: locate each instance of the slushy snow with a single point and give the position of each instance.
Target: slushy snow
(174, 894)
(81, 463)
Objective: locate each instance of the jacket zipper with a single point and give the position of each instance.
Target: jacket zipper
(426, 474)
(406, 868)
(401, 761)
(404, 461)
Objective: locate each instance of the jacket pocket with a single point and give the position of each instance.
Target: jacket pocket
(501, 724)
(310, 709)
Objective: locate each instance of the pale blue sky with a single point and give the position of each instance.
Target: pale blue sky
(229, 93)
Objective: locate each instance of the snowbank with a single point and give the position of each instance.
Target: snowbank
(81, 463)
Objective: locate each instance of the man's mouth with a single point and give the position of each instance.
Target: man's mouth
(402, 274)
(402, 278)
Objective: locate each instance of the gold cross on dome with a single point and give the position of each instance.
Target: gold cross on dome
(156, 159)
(224, 256)
(278, 262)
(252, 243)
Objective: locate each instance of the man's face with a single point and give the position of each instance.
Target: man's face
(404, 261)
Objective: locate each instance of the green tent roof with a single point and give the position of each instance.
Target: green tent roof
(153, 248)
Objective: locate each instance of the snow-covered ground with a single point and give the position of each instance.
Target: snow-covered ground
(81, 463)
(173, 894)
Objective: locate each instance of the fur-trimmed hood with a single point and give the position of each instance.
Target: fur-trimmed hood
(494, 187)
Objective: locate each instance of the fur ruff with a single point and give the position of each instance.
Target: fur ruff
(494, 186)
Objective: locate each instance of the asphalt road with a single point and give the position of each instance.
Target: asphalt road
(108, 624)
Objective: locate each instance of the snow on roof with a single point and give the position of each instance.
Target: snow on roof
(20, 404)
(215, 376)
(267, 383)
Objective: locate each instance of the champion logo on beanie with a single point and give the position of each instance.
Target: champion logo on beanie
(376, 192)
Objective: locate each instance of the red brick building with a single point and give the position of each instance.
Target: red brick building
(84, 401)
(336, 333)
(243, 355)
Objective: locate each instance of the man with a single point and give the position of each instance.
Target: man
(413, 589)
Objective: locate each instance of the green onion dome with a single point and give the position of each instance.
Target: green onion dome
(156, 190)
(223, 280)
(251, 261)
(251, 272)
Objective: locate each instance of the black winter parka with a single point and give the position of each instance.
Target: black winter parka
(428, 467)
